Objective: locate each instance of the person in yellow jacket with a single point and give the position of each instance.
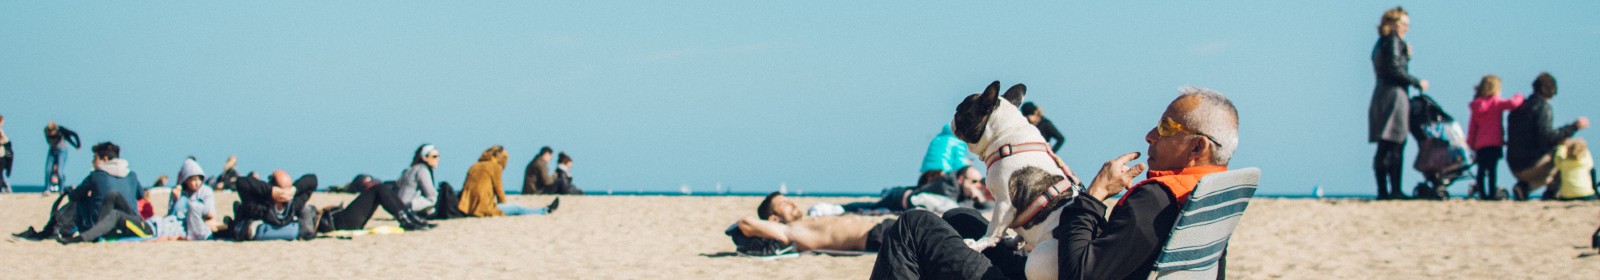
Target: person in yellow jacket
(1576, 167)
(483, 194)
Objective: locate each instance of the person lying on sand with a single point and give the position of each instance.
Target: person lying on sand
(780, 219)
(276, 209)
(962, 188)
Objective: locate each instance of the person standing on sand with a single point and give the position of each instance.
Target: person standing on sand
(1486, 135)
(483, 195)
(58, 138)
(1531, 140)
(6, 155)
(1046, 128)
(536, 177)
(1388, 117)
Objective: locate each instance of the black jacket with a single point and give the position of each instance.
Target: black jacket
(62, 133)
(1122, 247)
(563, 184)
(1529, 134)
(1048, 130)
(255, 200)
(5, 161)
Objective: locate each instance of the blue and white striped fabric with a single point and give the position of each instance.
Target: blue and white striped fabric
(1201, 232)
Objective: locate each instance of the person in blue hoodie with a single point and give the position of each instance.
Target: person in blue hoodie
(946, 153)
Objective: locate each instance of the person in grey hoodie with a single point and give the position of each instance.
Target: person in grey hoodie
(416, 187)
(192, 213)
(107, 194)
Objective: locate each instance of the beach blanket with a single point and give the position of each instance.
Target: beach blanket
(350, 234)
(1200, 235)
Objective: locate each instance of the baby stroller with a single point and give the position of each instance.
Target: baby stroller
(1443, 155)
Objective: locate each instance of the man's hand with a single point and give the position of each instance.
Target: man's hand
(282, 195)
(1115, 176)
(1582, 123)
(1423, 85)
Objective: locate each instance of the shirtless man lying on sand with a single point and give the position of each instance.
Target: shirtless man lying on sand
(780, 219)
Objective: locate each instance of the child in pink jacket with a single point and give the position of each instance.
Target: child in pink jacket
(1486, 134)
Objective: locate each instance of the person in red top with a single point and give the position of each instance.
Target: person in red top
(1195, 136)
(1486, 134)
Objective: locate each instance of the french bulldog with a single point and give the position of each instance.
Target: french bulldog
(1029, 183)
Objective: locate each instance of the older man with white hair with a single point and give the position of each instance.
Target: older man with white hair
(1196, 136)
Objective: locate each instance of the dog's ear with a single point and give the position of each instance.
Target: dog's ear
(1015, 93)
(992, 92)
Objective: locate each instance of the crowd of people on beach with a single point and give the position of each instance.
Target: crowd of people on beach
(110, 203)
(1539, 153)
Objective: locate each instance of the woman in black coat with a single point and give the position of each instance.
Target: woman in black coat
(1387, 118)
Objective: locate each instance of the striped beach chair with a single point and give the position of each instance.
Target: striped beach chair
(1201, 232)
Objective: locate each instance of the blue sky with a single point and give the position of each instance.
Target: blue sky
(821, 96)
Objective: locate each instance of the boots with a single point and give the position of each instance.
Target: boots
(409, 220)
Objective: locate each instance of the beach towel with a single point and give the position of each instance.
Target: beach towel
(350, 234)
(1200, 235)
(768, 249)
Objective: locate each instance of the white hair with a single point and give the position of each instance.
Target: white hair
(1216, 117)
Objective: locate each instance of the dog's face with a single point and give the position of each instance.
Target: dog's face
(972, 115)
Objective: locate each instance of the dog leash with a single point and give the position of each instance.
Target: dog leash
(1037, 205)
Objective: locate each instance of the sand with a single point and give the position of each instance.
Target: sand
(645, 237)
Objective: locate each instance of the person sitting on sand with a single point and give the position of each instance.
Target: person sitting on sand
(415, 187)
(371, 195)
(1531, 140)
(275, 210)
(563, 181)
(945, 154)
(778, 218)
(105, 200)
(962, 188)
(192, 213)
(483, 195)
(536, 178)
(1576, 171)
(1196, 136)
(226, 179)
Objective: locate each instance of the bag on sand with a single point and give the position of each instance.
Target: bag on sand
(755, 246)
(62, 222)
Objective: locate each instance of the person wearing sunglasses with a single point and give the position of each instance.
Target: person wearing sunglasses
(1194, 137)
(960, 189)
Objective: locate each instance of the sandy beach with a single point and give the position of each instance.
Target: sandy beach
(650, 237)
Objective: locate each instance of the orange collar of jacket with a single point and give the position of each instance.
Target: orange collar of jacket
(1180, 182)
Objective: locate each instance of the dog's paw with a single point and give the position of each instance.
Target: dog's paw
(980, 244)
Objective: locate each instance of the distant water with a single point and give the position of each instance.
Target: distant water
(38, 189)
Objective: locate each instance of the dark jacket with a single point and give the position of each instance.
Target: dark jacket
(1051, 135)
(5, 161)
(1122, 247)
(536, 177)
(1387, 117)
(255, 200)
(563, 184)
(62, 133)
(91, 194)
(1529, 134)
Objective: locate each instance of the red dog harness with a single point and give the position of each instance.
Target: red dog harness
(1038, 204)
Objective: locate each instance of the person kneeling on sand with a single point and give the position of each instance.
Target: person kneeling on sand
(276, 209)
(1532, 140)
(192, 213)
(483, 195)
(1196, 136)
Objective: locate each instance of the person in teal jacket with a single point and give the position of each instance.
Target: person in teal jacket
(946, 153)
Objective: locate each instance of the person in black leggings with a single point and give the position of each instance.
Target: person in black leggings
(355, 215)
